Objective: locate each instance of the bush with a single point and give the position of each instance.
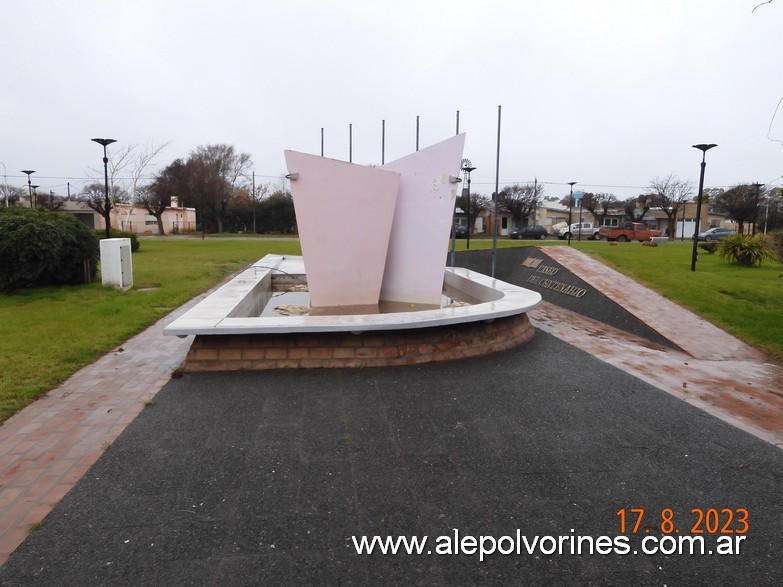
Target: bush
(745, 250)
(709, 246)
(39, 247)
(101, 234)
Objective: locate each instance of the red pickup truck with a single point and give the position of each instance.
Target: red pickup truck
(633, 231)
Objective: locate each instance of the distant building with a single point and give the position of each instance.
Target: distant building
(131, 218)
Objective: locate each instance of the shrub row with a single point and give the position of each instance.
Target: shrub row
(39, 247)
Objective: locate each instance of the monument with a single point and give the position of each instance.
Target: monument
(374, 247)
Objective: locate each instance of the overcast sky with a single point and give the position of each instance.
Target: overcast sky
(608, 93)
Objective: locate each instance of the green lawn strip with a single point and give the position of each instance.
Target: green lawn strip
(47, 334)
(746, 301)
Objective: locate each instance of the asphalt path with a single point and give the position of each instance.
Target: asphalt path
(266, 478)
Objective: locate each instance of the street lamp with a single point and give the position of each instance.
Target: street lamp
(106, 205)
(467, 167)
(29, 172)
(570, 209)
(703, 148)
(756, 206)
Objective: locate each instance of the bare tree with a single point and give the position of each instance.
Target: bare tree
(153, 203)
(636, 208)
(94, 195)
(11, 194)
(599, 205)
(520, 200)
(478, 204)
(50, 201)
(670, 194)
(126, 168)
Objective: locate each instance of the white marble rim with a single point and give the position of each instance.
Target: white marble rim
(213, 315)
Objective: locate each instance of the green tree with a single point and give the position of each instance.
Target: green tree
(739, 203)
(276, 213)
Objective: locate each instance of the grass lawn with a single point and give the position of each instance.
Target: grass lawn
(47, 334)
(746, 301)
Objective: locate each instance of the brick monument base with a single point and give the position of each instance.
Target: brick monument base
(378, 348)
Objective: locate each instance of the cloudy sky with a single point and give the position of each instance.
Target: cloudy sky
(608, 93)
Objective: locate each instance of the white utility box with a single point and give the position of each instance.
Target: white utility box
(116, 263)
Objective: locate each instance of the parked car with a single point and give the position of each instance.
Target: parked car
(528, 232)
(714, 234)
(631, 231)
(580, 230)
(460, 231)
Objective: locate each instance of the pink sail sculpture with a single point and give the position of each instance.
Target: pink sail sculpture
(420, 233)
(344, 214)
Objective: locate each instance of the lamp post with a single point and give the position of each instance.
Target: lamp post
(106, 206)
(570, 209)
(29, 172)
(703, 147)
(467, 167)
(756, 206)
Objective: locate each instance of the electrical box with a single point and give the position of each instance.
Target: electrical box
(116, 263)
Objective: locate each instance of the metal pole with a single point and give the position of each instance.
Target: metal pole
(756, 206)
(254, 202)
(468, 211)
(497, 197)
(454, 235)
(570, 209)
(694, 254)
(350, 143)
(107, 205)
(106, 202)
(535, 200)
(29, 186)
(766, 214)
(457, 122)
(383, 142)
(322, 141)
(417, 133)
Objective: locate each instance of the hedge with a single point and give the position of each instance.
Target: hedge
(39, 247)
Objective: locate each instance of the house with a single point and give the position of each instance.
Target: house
(132, 218)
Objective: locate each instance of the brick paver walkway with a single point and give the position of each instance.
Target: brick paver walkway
(49, 445)
(715, 371)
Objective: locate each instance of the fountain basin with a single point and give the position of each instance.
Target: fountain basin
(230, 332)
